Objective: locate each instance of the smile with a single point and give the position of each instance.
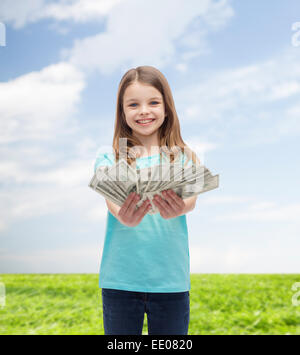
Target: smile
(146, 122)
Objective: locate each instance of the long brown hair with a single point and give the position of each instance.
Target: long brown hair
(169, 137)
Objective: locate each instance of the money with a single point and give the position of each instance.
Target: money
(115, 183)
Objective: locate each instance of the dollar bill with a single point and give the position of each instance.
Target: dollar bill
(118, 181)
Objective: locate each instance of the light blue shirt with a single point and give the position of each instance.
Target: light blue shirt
(150, 257)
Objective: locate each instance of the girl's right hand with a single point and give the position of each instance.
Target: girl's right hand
(128, 215)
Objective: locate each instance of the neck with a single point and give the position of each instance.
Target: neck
(150, 144)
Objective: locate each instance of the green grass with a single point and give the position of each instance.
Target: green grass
(220, 304)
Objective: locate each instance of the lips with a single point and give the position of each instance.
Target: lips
(145, 122)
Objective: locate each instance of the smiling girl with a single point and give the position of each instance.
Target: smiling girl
(145, 266)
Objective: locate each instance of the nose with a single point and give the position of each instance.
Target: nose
(144, 109)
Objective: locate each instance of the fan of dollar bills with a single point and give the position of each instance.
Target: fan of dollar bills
(116, 182)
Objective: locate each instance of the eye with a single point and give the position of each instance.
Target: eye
(155, 102)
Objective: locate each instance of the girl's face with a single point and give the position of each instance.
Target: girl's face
(142, 102)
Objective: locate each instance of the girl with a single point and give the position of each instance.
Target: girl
(145, 262)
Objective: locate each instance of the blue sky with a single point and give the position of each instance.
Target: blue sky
(235, 78)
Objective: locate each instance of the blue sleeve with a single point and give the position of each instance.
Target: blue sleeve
(184, 158)
(103, 159)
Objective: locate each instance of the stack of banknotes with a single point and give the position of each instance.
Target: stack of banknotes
(116, 182)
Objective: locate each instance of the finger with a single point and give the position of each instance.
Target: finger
(131, 208)
(127, 203)
(143, 209)
(174, 199)
(161, 209)
(164, 205)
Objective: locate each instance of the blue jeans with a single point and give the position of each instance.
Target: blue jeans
(123, 312)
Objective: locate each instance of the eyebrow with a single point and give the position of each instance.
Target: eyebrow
(152, 98)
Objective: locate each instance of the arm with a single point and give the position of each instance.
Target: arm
(113, 208)
(190, 204)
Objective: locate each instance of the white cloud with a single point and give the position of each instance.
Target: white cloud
(19, 13)
(3, 226)
(182, 67)
(69, 174)
(265, 212)
(284, 90)
(97, 213)
(200, 146)
(147, 32)
(225, 199)
(239, 259)
(39, 182)
(86, 146)
(21, 203)
(208, 258)
(39, 104)
(73, 259)
(36, 184)
(79, 10)
(229, 89)
(289, 125)
(43, 169)
(262, 206)
(240, 103)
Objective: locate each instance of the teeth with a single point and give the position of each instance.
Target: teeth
(144, 121)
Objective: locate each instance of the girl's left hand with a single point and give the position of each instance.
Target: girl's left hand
(172, 207)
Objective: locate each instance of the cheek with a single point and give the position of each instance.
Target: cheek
(128, 122)
(161, 112)
(128, 116)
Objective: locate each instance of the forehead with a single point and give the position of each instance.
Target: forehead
(139, 91)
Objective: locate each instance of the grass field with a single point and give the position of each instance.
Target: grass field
(219, 304)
